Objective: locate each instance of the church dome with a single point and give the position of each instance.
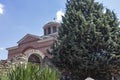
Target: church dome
(51, 27)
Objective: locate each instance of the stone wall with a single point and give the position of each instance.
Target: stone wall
(4, 65)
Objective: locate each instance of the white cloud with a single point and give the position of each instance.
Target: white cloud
(59, 15)
(1, 8)
(2, 49)
(104, 10)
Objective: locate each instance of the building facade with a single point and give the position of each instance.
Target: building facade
(33, 48)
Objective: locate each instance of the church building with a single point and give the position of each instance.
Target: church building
(33, 48)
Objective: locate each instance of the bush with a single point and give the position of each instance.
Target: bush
(31, 72)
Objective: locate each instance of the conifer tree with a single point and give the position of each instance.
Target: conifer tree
(88, 44)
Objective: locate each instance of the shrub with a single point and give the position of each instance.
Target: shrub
(31, 72)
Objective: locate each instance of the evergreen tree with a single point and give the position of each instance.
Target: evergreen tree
(88, 44)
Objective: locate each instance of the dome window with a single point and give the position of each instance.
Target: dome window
(54, 29)
(49, 30)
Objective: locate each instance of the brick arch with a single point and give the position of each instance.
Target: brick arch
(34, 52)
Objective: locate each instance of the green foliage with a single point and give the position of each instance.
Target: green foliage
(3, 77)
(89, 40)
(3, 74)
(31, 72)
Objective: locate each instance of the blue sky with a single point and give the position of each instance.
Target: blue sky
(19, 17)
